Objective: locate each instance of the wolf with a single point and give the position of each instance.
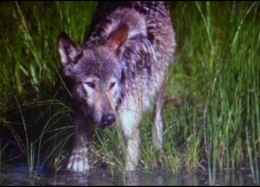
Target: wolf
(118, 74)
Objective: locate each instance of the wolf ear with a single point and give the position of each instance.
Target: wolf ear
(118, 38)
(69, 51)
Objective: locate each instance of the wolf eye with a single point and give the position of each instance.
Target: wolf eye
(90, 84)
(112, 85)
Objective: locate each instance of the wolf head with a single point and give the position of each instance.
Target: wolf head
(95, 74)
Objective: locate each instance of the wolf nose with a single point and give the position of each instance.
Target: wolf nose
(107, 120)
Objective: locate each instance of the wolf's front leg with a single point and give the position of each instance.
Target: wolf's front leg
(78, 160)
(130, 120)
(132, 150)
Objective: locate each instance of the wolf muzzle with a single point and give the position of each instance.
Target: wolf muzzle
(107, 120)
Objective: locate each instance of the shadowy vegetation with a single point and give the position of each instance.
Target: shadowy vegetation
(212, 108)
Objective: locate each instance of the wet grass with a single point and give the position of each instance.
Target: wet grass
(212, 117)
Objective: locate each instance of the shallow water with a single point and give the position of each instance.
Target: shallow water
(105, 178)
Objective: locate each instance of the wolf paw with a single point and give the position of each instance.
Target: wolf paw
(78, 161)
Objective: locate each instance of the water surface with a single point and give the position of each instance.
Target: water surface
(101, 177)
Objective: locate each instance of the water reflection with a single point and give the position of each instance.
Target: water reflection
(141, 178)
